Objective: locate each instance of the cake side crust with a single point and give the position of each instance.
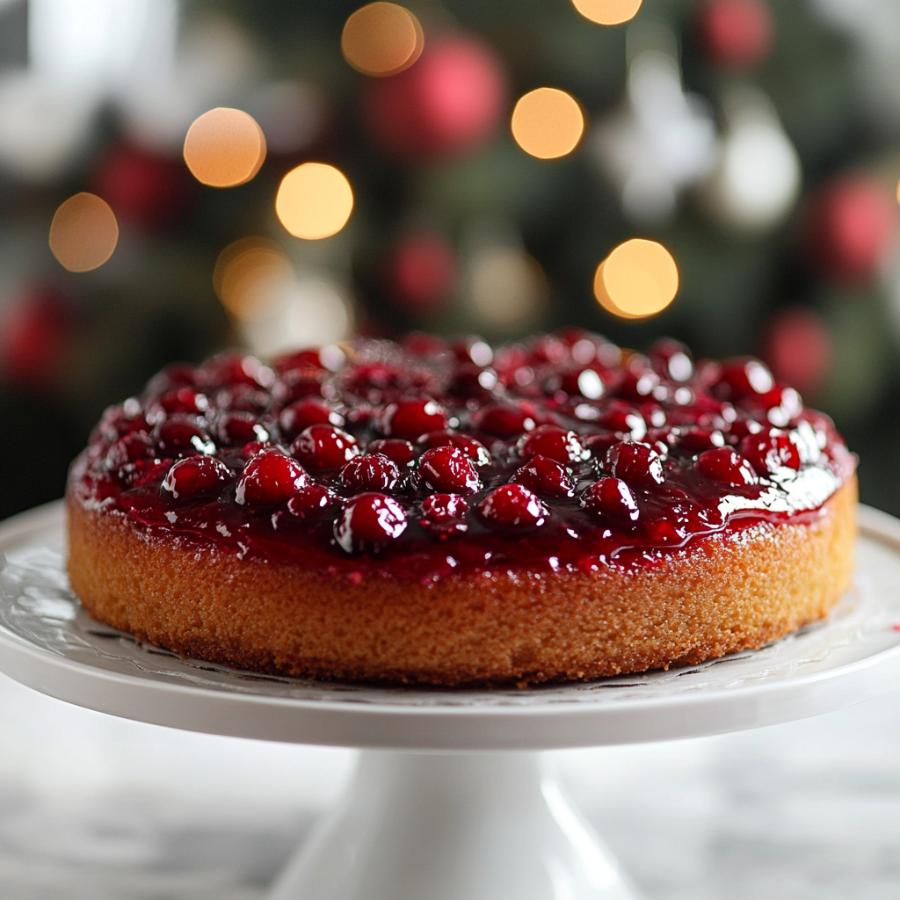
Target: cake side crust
(724, 595)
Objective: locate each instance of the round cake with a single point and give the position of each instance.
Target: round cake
(448, 513)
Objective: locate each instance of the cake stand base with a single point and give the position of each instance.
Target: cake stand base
(466, 826)
(451, 800)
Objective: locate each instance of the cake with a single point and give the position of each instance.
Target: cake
(447, 513)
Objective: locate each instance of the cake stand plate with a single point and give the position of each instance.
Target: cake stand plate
(470, 818)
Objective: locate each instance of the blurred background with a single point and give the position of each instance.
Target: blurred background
(180, 176)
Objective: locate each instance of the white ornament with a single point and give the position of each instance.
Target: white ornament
(756, 178)
(662, 140)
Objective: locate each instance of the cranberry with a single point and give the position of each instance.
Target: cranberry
(637, 383)
(368, 523)
(237, 368)
(400, 451)
(448, 469)
(473, 350)
(324, 447)
(294, 418)
(547, 349)
(771, 451)
(726, 465)
(183, 400)
(310, 502)
(370, 472)
(623, 419)
(504, 421)
(128, 449)
(611, 498)
(475, 450)
(471, 381)
(195, 476)
(444, 515)
(741, 378)
(778, 406)
(270, 477)
(635, 463)
(240, 428)
(298, 386)
(242, 398)
(512, 507)
(554, 442)
(545, 476)
(695, 440)
(740, 428)
(182, 435)
(412, 418)
(420, 343)
(587, 383)
(671, 359)
(144, 472)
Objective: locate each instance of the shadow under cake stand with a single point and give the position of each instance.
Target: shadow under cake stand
(450, 799)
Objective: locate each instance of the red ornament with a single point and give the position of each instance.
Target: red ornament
(447, 103)
(735, 34)
(34, 338)
(420, 272)
(850, 227)
(142, 187)
(799, 349)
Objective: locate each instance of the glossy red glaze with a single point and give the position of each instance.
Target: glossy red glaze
(557, 473)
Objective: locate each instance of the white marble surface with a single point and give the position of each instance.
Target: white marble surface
(99, 808)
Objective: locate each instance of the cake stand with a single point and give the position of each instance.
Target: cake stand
(450, 799)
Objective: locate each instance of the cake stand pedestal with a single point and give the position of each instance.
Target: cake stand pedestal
(451, 799)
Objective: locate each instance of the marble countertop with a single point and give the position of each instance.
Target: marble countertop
(100, 808)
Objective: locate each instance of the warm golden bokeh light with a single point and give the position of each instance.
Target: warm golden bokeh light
(243, 272)
(382, 39)
(83, 233)
(224, 147)
(547, 123)
(639, 278)
(314, 201)
(608, 12)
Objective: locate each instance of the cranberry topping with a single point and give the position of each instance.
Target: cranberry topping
(726, 465)
(512, 507)
(412, 418)
(303, 413)
(475, 450)
(545, 476)
(369, 522)
(195, 476)
(562, 451)
(448, 469)
(444, 515)
(324, 447)
(554, 442)
(182, 435)
(743, 378)
(770, 451)
(504, 421)
(635, 463)
(611, 498)
(240, 428)
(370, 472)
(311, 502)
(270, 477)
(400, 451)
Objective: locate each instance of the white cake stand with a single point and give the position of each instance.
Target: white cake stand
(469, 819)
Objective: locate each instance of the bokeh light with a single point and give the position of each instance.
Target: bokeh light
(224, 147)
(382, 39)
(83, 232)
(314, 201)
(243, 272)
(547, 123)
(608, 12)
(639, 278)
